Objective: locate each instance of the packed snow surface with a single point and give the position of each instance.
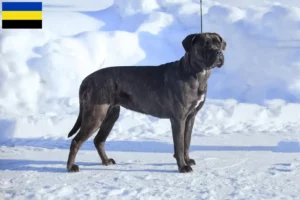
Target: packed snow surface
(245, 139)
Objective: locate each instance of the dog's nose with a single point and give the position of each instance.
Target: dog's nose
(219, 52)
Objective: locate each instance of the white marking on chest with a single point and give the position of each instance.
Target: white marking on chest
(200, 100)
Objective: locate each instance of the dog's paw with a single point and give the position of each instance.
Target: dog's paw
(186, 169)
(190, 162)
(74, 168)
(109, 162)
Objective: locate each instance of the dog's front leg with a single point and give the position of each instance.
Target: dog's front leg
(187, 138)
(189, 124)
(178, 127)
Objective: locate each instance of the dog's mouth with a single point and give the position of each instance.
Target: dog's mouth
(211, 67)
(212, 60)
(219, 61)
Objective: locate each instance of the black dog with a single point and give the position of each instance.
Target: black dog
(175, 90)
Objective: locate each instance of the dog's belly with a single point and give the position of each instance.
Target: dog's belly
(143, 105)
(152, 110)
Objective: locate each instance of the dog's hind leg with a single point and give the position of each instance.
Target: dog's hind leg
(105, 129)
(91, 121)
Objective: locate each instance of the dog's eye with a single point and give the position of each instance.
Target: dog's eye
(207, 44)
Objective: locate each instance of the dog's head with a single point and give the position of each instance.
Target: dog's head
(205, 50)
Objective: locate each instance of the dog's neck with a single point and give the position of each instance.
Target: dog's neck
(188, 66)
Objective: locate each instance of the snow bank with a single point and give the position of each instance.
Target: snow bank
(217, 117)
(40, 70)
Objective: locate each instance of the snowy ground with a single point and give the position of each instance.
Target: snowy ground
(234, 166)
(242, 151)
(245, 140)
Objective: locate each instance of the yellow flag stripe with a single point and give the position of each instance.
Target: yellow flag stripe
(22, 15)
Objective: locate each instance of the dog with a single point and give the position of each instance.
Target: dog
(175, 91)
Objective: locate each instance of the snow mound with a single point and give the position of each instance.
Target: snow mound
(217, 117)
(41, 70)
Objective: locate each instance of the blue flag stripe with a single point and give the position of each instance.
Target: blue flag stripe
(21, 6)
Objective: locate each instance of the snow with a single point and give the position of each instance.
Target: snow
(245, 139)
(244, 169)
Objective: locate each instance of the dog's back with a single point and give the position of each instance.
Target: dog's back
(138, 88)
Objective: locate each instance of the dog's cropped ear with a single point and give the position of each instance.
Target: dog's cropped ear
(188, 42)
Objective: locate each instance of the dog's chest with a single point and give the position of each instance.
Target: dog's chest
(202, 98)
(199, 88)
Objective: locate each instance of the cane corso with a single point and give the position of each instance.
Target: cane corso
(175, 90)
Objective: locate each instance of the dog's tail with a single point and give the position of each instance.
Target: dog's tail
(77, 123)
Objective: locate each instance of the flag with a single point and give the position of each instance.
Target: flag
(22, 15)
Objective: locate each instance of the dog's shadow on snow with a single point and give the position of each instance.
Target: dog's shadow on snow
(120, 146)
(52, 166)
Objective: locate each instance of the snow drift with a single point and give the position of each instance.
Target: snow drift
(41, 70)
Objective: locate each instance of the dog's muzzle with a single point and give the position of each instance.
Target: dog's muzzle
(220, 58)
